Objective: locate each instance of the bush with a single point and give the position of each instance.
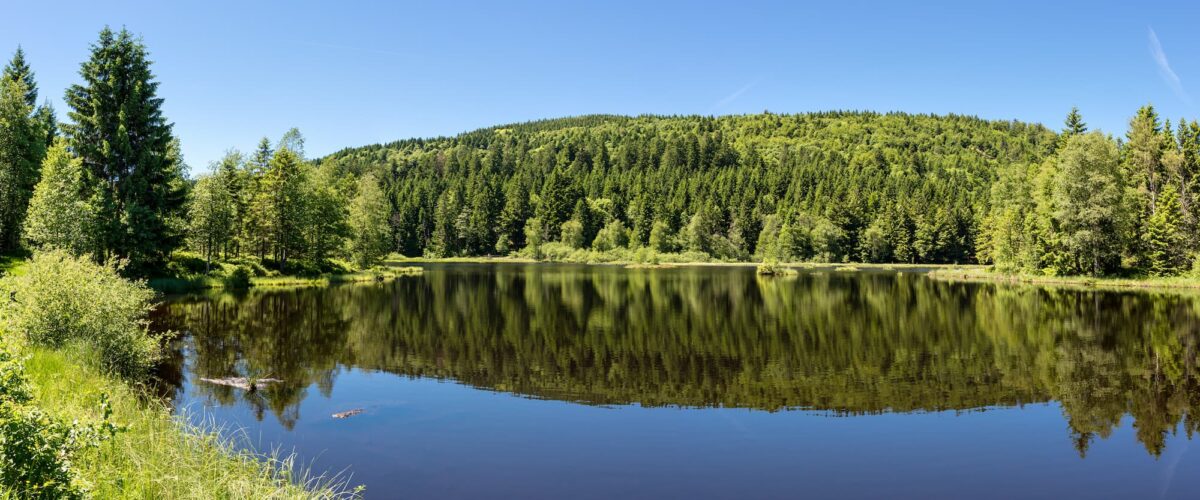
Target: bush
(185, 263)
(239, 279)
(613, 235)
(63, 299)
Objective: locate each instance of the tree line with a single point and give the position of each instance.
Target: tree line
(832, 187)
(1100, 206)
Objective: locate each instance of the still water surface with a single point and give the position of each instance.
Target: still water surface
(559, 381)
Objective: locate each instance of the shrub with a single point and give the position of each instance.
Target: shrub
(185, 263)
(64, 299)
(613, 235)
(239, 279)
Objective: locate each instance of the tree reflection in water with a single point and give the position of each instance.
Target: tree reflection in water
(847, 343)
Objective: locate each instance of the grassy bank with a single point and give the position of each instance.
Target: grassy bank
(986, 274)
(158, 456)
(197, 283)
(187, 272)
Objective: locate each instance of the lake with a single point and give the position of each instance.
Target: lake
(570, 381)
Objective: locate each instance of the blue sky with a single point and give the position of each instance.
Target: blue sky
(354, 73)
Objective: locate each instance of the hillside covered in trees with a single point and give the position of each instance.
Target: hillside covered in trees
(840, 186)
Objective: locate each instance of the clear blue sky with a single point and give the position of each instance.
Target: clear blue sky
(354, 73)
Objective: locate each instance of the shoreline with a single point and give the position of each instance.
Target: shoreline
(205, 283)
(846, 266)
(983, 274)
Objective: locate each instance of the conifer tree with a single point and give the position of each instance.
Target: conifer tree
(257, 201)
(283, 192)
(232, 177)
(118, 130)
(22, 147)
(1165, 242)
(18, 70)
(1074, 124)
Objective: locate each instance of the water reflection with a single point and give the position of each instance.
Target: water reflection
(846, 343)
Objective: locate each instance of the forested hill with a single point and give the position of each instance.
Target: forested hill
(837, 186)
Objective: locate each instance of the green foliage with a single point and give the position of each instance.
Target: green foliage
(1165, 241)
(210, 217)
(1084, 210)
(1090, 204)
(701, 183)
(370, 235)
(37, 451)
(239, 279)
(133, 165)
(62, 299)
(572, 234)
(58, 216)
(22, 147)
(613, 235)
(661, 238)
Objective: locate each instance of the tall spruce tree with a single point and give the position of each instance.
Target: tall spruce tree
(117, 128)
(1165, 242)
(18, 70)
(1074, 124)
(22, 148)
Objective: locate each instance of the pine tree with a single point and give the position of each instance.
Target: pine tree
(18, 70)
(257, 201)
(118, 130)
(22, 148)
(558, 199)
(232, 177)
(1165, 241)
(1143, 154)
(1074, 124)
(283, 192)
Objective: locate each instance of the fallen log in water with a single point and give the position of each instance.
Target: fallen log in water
(348, 413)
(242, 383)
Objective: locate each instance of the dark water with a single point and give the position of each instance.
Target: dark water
(541, 381)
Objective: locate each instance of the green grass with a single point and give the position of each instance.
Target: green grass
(186, 274)
(986, 274)
(160, 456)
(11, 264)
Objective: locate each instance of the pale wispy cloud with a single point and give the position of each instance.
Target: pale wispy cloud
(734, 96)
(1164, 68)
